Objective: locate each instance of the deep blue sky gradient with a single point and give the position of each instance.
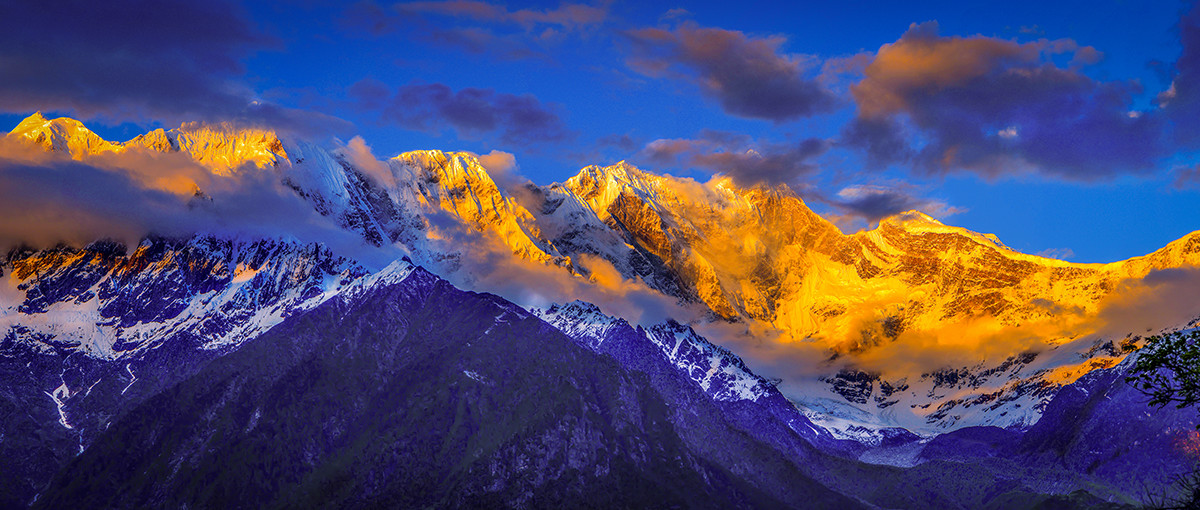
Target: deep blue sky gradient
(313, 54)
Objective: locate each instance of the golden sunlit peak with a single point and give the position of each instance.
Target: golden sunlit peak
(63, 134)
(611, 176)
(228, 133)
(220, 147)
(37, 119)
(619, 171)
(457, 167)
(917, 222)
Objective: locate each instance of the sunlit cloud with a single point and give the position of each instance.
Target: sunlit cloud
(998, 107)
(359, 154)
(483, 261)
(1134, 307)
(502, 167)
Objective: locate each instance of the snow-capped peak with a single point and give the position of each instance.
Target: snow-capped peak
(721, 373)
(455, 168)
(750, 254)
(716, 370)
(599, 187)
(434, 183)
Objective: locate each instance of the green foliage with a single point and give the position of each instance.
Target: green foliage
(1168, 369)
(1186, 490)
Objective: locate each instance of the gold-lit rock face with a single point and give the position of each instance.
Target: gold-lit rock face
(755, 254)
(762, 254)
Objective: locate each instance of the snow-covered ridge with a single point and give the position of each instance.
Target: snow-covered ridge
(580, 320)
(720, 373)
(214, 293)
(433, 183)
(1010, 393)
(752, 254)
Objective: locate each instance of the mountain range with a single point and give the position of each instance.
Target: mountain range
(219, 370)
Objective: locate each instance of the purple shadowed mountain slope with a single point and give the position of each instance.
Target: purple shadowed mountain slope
(1096, 432)
(415, 393)
(674, 352)
(90, 333)
(1099, 426)
(701, 379)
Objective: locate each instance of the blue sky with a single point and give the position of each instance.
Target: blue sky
(1011, 118)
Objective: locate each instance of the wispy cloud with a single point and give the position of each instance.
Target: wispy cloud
(481, 27)
(1187, 177)
(567, 16)
(1056, 253)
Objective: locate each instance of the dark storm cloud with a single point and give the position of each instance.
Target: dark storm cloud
(995, 107)
(875, 202)
(133, 60)
(747, 161)
(471, 112)
(567, 16)
(748, 76)
(882, 139)
(1181, 102)
(479, 27)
